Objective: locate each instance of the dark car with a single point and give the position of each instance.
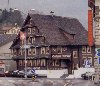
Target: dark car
(21, 73)
(15, 73)
(87, 75)
(2, 74)
(8, 73)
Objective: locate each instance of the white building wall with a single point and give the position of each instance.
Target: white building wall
(6, 54)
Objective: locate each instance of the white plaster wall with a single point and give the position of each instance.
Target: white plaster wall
(52, 73)
(77, 73)
(9, 64)
(56, 73)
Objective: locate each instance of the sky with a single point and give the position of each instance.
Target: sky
(66, 8)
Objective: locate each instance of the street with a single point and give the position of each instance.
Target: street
(5, 81)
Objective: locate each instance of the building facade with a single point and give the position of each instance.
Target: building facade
(6, 61)
(95, 6)
(10, 29)
(54, 43)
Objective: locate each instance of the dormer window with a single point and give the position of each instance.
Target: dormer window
(33, 30)
(59, 50)
(29, 30)
(42, 50)
(64, 49)
(47, 50)
(29, 40)
(54, 49)
(33, 39)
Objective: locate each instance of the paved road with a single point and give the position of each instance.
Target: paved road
(4, 81)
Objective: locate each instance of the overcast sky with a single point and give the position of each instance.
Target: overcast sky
(67, 8)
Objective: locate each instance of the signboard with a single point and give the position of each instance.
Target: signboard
(97, 51)
(59, 56)
(25, 46)
(87, 63)
(90, 28)
(99, 60)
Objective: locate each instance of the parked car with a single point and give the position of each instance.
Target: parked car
(21, 73)
(29, 73)
(87, 75)
(15, 73)
(2, 74)
(8, 73)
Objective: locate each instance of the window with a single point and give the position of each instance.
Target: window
(33, 39)
(20, 52)
(42, 50)
(59, 50)
(29, 62)
(29, 40)
(87, 62)
(75, 55)
(90, 60)
(33, 51)
(29, 51)
(83, 49)
(23, 52)
(96, 24)
(97, 10)
(64, 49)
(29, 30)
(54, 49)
(23, 62)
(20, 62)
(33, 30)
(38, 62)
(34, 63)
(43, 62)
(88, 49)
(57, 62)
(47, 50)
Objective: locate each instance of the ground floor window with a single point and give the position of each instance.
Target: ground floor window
(87, 62)
(20, 63)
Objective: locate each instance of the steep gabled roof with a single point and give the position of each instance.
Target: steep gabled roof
(54, 28)
(49, 27)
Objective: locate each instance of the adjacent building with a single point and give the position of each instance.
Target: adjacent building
(95, 7)
(10, 29)
(54, 43)
(6, 61)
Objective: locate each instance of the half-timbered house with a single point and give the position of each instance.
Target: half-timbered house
(54, 43)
